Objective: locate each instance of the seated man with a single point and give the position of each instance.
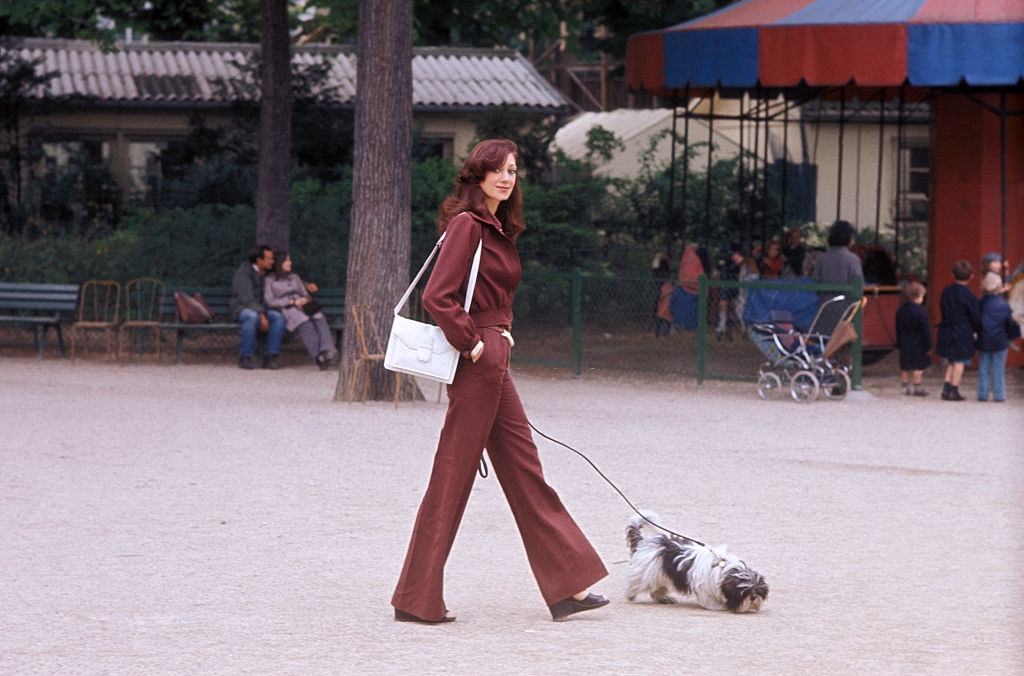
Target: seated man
(248, 309)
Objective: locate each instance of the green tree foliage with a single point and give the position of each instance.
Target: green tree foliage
(623, 18)
(200, 20)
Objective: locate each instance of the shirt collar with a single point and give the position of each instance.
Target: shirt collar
(491, 220)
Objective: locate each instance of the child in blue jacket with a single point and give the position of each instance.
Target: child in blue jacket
(997, 329)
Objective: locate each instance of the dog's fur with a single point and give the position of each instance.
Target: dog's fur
(665, 566)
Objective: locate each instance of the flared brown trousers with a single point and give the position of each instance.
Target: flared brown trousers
(484, 411)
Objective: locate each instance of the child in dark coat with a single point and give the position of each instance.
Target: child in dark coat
(961, 320)
(914, 339)
(997, 329)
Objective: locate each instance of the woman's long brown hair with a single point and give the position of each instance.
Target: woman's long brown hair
(489, 155)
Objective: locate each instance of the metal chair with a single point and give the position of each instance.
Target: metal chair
(143, 303)
(99, 309)
(368, 340)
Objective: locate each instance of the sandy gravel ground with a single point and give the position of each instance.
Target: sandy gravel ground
(201, 519)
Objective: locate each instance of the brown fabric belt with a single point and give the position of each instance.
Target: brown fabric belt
(488, 318)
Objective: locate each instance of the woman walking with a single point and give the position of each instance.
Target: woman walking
(483, 407)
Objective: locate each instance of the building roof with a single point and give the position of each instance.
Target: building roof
(625, 123)
(213, 74)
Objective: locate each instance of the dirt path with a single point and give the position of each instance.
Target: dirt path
(179, 520)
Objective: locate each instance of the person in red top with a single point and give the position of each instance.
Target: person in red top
(484, 408)
(773, 262)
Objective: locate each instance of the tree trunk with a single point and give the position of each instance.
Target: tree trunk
(275, 126)
(380, 233)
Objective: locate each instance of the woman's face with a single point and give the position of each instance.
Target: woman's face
(773, 250)
(286, 266)
(498, 183)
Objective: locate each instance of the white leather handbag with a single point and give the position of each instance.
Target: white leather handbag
(420, 349)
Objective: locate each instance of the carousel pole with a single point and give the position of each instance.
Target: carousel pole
(1002, 175)
(670, 216)
(842, 126)
(785, 165)
(764, 176)
(878, 176)
(686, 160)
(707, 183)
(753, 164)
(739, 179)
(899, 179)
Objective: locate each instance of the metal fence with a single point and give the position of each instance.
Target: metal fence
(586, 322)
(581, 323)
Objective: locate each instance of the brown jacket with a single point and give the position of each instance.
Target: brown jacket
(496, 283)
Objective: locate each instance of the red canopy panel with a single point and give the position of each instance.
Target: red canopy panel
(745, 14)
(645, 62)
(970, 11)
(828, 55)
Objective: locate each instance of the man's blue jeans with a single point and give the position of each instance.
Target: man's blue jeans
(250, 321)
(992, 371)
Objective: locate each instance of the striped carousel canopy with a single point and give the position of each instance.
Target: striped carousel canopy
(824, 43)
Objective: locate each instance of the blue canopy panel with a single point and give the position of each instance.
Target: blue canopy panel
(979, 53)
(705, 58)
(860, 12)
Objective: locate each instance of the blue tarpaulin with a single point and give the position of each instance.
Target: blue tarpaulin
(802, 305)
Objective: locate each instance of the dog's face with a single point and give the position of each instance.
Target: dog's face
(743, 588)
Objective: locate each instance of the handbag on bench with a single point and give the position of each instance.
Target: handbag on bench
(420, 349)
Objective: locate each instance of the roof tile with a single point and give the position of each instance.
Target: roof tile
(215, 74)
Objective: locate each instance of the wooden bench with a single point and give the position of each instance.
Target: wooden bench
(38, 305)
(332, 302)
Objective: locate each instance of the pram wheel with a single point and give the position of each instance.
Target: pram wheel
(804, 387)
(835, 384)
(769, 385)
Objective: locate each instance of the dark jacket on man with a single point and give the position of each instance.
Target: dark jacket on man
(913, 337)
(997, 325)
(961, 319)
(246, 290)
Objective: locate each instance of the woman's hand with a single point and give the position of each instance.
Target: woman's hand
(312, 288)
(300, 301)
(477, 350)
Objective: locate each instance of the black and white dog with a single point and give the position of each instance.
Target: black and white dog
(666, 567)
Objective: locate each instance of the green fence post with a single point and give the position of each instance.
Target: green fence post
(858, 345)
(577, 319)
(702, 327)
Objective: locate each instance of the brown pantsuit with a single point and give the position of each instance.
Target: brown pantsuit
(484, 411)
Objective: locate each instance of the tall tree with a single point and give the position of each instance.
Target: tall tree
(380, 230)
(275, 125)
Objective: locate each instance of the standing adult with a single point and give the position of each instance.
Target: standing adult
(794, 252)
(483, 406)
(838, 265)
(283, 290)
(249, 310)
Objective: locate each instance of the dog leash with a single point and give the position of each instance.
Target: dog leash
(621, 494)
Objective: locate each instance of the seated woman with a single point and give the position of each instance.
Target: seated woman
(285, 291)
(773, 262)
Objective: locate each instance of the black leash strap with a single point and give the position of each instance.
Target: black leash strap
(621, 494)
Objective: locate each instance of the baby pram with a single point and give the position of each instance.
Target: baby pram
(800, 360)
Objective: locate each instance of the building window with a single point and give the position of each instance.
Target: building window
(151, 163)
(432, 146)
(915, 183)
(74, 183)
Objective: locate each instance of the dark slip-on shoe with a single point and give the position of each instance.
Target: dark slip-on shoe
(402, 616)
(570, 606)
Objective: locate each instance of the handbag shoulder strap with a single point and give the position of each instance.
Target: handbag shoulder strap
(470, 287)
